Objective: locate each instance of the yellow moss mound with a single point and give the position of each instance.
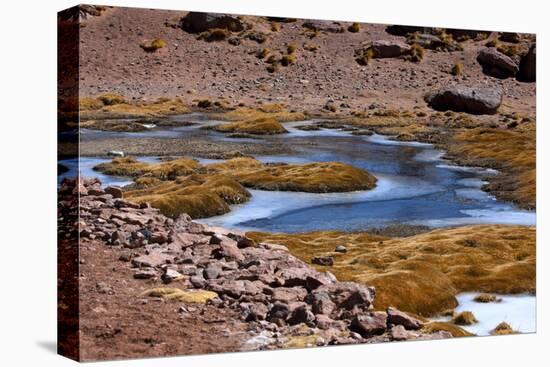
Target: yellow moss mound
(503, 329)
(312, 177)
(436, 326)
(513, 151)
(200, 196)
(464, 318)
(274, 110)
(112, 106)
(128, 166)
(176, 294)
(423, 273)
(260, 126)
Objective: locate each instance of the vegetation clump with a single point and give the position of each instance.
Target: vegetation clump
(423, 273)
(176, 294)
(354, 28)
(464, 318)
(435, 326)
(259, 126)
(214, 35)
(416, 53)
(486, 298)
(503, 329)
(287, 60)
(130, 167)
(154, 45)
(457, 69)
(113, 106)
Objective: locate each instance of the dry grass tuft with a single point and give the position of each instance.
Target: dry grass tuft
(154, 45)
(291, 48)
(464, 318)
(287, 60)
(214, 35)
(503, 329)
(310, 47)
(276, 111)
(416, 53)
(113, 106)
(354, 28)
(260, 126)
(200, 196)
(312, 177)
(486, 298)
(457, 69)
(176, 294)
(423, 273)
(128, 166)
(455, 330)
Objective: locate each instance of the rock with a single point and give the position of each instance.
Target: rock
(386, 48)
(323, 26)
(211, 272)
(459, 98)
(230, 251)
(288, 295)
(254, 311)
(347, 295)
(278, 311)
(301, 314)
(152, 260)
(324, 322)
(196, 22)
(370, 324)
(323, 260)
(397, 317)
(528, 65)
(465, 34)
(404, 30)
(197, 281)
(341, 249)
(119, 238)
(145, 273)
(398, 333)
(495, 63)
(511, 37)
(320, 303)
(116, 192)
(171, 275)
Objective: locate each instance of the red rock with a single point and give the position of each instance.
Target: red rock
(369, 324)
(397, 317)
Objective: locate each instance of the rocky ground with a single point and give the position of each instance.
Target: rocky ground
(113, 61)
(154, 286)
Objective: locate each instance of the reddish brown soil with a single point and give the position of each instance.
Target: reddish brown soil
(112, 61)
(118, 324)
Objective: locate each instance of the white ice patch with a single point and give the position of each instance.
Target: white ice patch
(501, 214)
(429, 155)
(295, 132)
(386, 140)
(519, 311)
(268, 204)
(481, 170)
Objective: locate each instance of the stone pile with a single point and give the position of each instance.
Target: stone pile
(279, 296)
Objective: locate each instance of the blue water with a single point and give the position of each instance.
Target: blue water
(416, 185)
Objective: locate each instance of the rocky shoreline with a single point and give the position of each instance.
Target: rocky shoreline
(280, 300)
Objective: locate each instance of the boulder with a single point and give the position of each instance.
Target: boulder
(323, 260)
(405, 30)
(466, 34)
(301, 315)
(396, 317)
(288, 295)
(321, 303)
(370, 324)
(528, 65)
(196, 22)
(145, 273)
(152, 260)
(386, 48)
(347, 295)
(511, 37)
(399, 333)
(459, 98)
(323, 26)
(116, 192)
(496, 64)
(341, 249)
(324, 322)
(170, 275)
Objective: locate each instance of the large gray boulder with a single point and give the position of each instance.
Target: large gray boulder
(385, 48)
(528, 65)
(458, 98)
(196, 22)
(495, 63)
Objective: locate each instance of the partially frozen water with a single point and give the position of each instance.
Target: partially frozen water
(519, 311)
(416, 185)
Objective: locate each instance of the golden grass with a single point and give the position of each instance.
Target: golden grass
(457, 69)
(416, 53)
(354, 28)
(112, 106)
(176, 294)
(423, 273)
(464, 318)
(513, 151)
(168, 170)
(291, 48)
(214, 35)
(277, 111)
(154, 45)
(503, 329)
(486, 298)
(456, 331)
(312, 177)
(200, 196)
(287, 60)
(259, 126)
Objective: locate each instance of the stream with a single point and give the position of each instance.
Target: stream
(416, 185)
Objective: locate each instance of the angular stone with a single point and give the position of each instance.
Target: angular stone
(320, 303)
(398, 333)
(196, 22)
(152, 260)
(397, 317)
(288, 295)
(370, 324)
(497, 64)
(301, 314)
(341, 249)
(460, 98)
(171, 275)
(145, 273)
(116, 192)
(324, 322)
